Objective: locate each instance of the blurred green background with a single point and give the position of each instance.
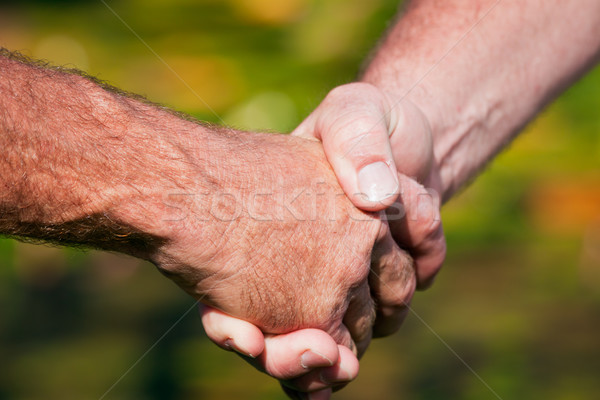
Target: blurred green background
(519, 297)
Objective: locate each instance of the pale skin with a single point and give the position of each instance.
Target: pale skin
(226, 215)
(452, 83)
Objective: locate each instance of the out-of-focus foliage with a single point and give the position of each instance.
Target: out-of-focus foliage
(518, 300)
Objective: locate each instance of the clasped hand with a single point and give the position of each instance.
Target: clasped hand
(321, 277)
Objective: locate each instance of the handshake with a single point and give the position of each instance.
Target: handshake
(262, 231)
(298, 269)
(303, 247)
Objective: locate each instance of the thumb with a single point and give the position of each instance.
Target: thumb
(353, 123)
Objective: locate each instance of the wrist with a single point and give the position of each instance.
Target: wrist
(455, 124)
(169, 173)
(446, 131)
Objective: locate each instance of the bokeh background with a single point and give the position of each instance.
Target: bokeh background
(518, 300)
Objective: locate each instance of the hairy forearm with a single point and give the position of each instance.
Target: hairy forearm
(229, 216)
(481, 69)
(80, 164)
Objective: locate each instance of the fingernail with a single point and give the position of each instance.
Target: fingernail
(331, 375)
(377, 181)
(230, 344)
(311, 359)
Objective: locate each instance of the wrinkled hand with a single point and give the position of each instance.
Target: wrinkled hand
(369, 137)
(275, 241)
(359, 126)
(280, 356)
(306, 360)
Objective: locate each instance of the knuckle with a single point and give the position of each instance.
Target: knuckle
(352, 126)
(435, 247)
(352, 120)
(361, 331)
(350, 90)
(401, 282)
(422, 208)
(401, 297)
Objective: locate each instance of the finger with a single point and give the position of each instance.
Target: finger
(359, 318)
(283, 356)
(345, 370)
(416, 225)
(354, 126)
(289, 355)
(393, 282)
(232, 333)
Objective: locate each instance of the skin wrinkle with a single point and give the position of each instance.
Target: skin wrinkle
(274, 267)
(104, 182)
(423, 41)
(278, 271)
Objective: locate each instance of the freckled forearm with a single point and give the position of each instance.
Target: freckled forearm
(482, 69)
